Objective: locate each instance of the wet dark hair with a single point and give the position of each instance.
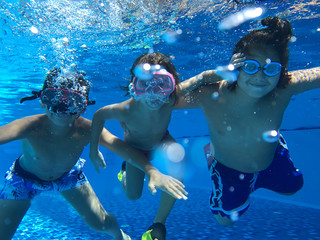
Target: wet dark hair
(276, 35)
(76, 82)
(153, 59)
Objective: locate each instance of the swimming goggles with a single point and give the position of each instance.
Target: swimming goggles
(270, 69)
(162, 83)
(63, 101)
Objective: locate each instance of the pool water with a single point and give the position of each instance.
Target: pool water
(103, 38)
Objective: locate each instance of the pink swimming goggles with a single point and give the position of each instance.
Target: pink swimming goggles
(161, 83)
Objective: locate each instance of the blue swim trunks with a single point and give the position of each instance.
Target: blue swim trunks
(231, 189)
(21, 185)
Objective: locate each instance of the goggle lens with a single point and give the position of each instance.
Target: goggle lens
(161, 83)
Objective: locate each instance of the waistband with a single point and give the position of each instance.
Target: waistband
(23, 173)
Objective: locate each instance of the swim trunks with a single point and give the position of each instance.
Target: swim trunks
(231, 189)
(21, 185)
(149, 154)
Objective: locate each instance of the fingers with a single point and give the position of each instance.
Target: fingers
(103, 164)
(152, 189)
(237, 60)
(176, 189)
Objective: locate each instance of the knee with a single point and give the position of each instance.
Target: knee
(133, 196)
(224, 221)
(102, 224)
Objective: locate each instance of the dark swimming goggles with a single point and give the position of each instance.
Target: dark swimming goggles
(252, 66)
(63, 101)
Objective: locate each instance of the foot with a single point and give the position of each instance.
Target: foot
(125, 236)
(156, 231)
(122, 174)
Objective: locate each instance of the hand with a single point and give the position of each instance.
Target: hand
(166, 183)
(97, 160)
(237, 60)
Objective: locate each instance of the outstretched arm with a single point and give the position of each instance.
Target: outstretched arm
(304, 80)
(96, 129)
(212, 76)
(17, 129)
(129, 154)
(155, 178)
(195, 82)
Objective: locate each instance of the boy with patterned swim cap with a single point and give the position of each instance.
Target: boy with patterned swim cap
(52, 144)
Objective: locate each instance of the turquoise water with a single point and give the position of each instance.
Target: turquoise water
(103, 38)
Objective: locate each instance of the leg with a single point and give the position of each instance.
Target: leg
(176, 170)
(165, 206)
(87, 204)
(11, 214)
(224, 221)
(133, 182)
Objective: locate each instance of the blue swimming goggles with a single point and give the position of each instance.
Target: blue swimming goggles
(270, 69)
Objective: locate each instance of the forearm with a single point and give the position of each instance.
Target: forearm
(129, 154)
(96, 129)
(195, 82)
(306, 79)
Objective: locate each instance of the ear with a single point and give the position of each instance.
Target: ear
(83, 111)
(42, 105)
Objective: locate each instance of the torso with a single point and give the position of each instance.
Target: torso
(236, 128)
(144, 128)
(48, 154)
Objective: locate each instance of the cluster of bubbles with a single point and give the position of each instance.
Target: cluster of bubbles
(228, 73)
(169, 157)
(240, 17)
(145, 71)
(271, 136)
(171, 36)
(175, 152)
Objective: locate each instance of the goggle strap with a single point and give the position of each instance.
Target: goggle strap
(35, 95)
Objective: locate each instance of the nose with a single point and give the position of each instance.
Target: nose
(259, 75)
(154, 89)
(152, 83)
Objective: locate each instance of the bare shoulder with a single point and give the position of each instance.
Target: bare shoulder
(115, 111)
(83, 122)
(32, 121)
(23, 128)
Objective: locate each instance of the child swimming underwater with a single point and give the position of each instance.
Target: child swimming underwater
(52, 144)
(247, 151)
(144, 119)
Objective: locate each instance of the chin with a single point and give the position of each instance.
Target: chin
(155, 104)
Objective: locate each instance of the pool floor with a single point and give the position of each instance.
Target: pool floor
(50, 217)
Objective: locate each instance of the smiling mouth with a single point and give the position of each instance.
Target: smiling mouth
(258, 85)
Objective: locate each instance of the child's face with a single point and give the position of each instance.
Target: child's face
(259, 84)
(154, 92)
(153, 103)
(62, 106)
(60, 119)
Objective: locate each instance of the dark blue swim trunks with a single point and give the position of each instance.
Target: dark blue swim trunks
(21, 185)
(231, 189)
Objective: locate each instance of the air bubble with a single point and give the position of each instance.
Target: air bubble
(270, 136)
(34, 30)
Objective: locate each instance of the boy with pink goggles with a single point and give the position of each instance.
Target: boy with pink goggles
(161, 83)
